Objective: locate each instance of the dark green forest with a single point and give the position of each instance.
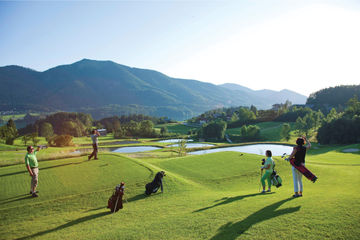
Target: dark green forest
(333, 97)
(335, 126)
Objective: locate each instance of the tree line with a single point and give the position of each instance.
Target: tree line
(59, 128)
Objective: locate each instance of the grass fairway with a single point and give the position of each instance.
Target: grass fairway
(214, 196)
(269, 131)
(177, 128)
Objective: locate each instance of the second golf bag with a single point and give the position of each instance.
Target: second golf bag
(276, 179)
(115, 201)
(154, 186)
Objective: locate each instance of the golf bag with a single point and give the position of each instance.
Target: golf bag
(154, 186)
(115, 201)
(276, 179)
(304, 171)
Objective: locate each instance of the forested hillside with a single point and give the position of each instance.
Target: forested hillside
(333, 97)
(105, 88)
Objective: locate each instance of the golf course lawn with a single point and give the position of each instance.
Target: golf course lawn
(213, 196)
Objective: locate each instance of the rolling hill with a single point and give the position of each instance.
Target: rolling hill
(105, 88)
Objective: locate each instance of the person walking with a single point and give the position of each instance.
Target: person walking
(299, 153)
(32, 166)
(269, 168)
(94, 137)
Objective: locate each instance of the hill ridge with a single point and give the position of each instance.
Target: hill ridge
(105, 88)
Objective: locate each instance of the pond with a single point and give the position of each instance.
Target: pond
(194, 145)
(277, 150)
(117, 149)
(135, 149)
(174, 140)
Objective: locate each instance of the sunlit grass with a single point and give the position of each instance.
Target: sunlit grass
(213, 196)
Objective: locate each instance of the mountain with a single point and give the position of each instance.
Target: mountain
(105, 88)
(233, 86)
(267, 97)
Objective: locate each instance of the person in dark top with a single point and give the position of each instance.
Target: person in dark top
(299, 153)
(155, 184)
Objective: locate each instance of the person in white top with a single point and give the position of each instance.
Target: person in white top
(94, 137)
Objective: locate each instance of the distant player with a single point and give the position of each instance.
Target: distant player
(94, 137)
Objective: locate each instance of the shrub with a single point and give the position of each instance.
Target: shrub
(61, 141)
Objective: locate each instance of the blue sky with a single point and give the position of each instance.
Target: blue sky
(299, 45)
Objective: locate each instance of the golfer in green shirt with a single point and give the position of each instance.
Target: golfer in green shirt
(33, 168)
(269, 168)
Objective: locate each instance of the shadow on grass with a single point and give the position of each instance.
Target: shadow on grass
(69, 224)
(95, 209)
(227, 200)
(23, 196)
(233, 230)
(137, 197)
(43, 168)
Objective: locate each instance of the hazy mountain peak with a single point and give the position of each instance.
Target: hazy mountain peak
(98, 84)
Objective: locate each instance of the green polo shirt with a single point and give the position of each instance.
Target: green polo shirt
(31, 160)
(269, 161)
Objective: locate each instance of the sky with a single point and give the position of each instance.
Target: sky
(302, 46)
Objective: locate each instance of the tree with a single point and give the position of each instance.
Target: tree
(99, 125)
(243, 131)
(253, 132)
(163, 131)
(34, 138)
(214, 130)
(234, 117)
(285, 131)
(61, 141)
(132, 128)
(332, 115)
(353, 107)
(75, 124)
(116, 125)
(250, 133)
(9, 132)
(305, 124)
(319, 118)
(182, 147)
(119, 133)
(46, 130)
(254, 110)
(25, 139)
(146, 128)
(245, 116)
(73, 128)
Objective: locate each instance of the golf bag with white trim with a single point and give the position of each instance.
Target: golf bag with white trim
(154, 186)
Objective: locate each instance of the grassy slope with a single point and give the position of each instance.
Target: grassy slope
(176, 128)
(268, 130)
(213, 196)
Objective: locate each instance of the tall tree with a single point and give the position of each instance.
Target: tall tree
(10, 132)
(285, 131)
(46, 130)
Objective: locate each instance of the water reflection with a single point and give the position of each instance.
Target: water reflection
(174, 140)
(277, 150)
(135, 149)
(194, 145)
